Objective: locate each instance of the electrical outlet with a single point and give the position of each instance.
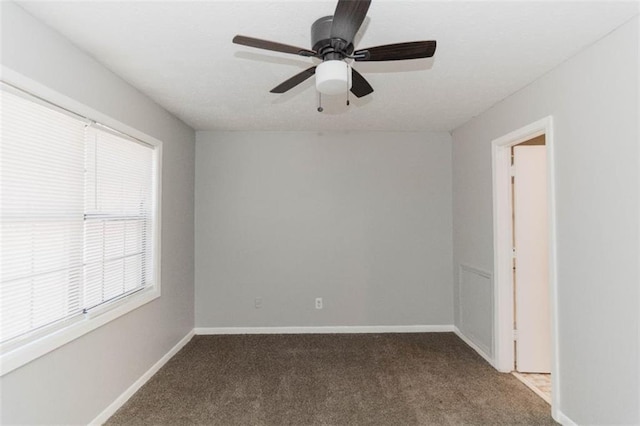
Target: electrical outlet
(318, 302)
(258, 302)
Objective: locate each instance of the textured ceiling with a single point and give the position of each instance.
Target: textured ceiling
(180, 54)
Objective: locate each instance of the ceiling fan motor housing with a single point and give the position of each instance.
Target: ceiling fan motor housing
(321, 41)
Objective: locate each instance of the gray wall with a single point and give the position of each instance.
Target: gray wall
(362, 220)
(76, 382)
(593, 98)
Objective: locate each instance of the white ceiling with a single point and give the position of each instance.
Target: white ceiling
(180, 54)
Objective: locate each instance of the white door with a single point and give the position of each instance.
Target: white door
(533, 317)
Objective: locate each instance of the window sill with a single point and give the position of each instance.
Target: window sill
(30, 351)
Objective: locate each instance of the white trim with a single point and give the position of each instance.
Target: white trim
(327, 329)
(502, 263)
(31, 350)
(564, 419)
(26, 353)
(473, 346)
(503, 285)
(124, 397)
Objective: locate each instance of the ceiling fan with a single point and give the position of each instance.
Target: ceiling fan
(332, 41)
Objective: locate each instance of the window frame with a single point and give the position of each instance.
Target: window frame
(50, 338)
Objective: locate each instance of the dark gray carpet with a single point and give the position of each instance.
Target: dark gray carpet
(344, 379)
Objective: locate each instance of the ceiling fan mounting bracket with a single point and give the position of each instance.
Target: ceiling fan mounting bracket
(329, 48)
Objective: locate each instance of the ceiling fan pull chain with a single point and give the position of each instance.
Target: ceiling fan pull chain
(320, 109)
(348, 71)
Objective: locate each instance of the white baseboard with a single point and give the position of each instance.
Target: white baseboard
(124, 397)
(327, 330)
(473, 346)
(564, 420)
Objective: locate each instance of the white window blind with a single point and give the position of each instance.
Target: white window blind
(118, 216)
(41, 170)
(76, 215)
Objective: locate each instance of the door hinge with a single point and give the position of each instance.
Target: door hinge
(515, 335)
(512, 171)
(513, 253)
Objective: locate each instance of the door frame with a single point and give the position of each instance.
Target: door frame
(503, 347)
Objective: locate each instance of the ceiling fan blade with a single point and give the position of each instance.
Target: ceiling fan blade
(397, 52)
(348, 18)
(359, 86)
(294, 81)
(272, 45)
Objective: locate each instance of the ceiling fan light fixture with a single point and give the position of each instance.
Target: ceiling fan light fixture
(333, 77)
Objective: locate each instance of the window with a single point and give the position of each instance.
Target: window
(117, 217)
(78, 218)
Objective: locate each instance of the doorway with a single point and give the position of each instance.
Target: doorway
(525, 284)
